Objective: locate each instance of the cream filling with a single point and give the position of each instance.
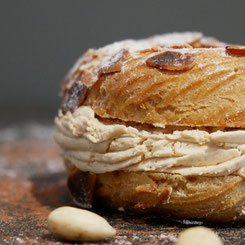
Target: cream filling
(94, 146)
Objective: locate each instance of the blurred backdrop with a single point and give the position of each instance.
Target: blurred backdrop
(40, 40)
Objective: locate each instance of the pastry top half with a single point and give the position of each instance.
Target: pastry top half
(179, 79)
(167, 104)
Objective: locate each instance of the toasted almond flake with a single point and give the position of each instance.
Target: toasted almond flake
(114, 62)
(172, 61)
(74, 96)
(182, 46)
(236, 50)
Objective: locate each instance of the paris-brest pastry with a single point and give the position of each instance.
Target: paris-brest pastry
(157, 126)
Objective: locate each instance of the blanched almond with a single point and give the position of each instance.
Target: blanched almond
(198, 236)
(75, 224)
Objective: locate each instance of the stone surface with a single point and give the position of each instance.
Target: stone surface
(33, 183)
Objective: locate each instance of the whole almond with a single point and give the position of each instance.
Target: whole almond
(198, 236)
(75, 224)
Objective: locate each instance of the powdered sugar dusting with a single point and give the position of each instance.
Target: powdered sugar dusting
(175, 38)
(137, 238)
(19, 240)
(192, 222)
(170, 237)
(114, 62)
(163, 40)
(93, 59)
(242, 211)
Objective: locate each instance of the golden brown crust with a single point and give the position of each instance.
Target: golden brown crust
(191, 87)
(212, 93)
(215, 199)
(218, 199)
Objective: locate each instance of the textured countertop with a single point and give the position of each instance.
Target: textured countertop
(33, 182)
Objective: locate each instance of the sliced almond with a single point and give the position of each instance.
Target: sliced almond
(81, 186)
(179, 46)
(148, 50)
(114, 62)
(74, 96)
(236, 50)
(208, 42)
(172, 61)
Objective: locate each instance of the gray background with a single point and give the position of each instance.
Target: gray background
(40, 40)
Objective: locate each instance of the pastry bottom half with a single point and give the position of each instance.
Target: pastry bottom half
(212, 199)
